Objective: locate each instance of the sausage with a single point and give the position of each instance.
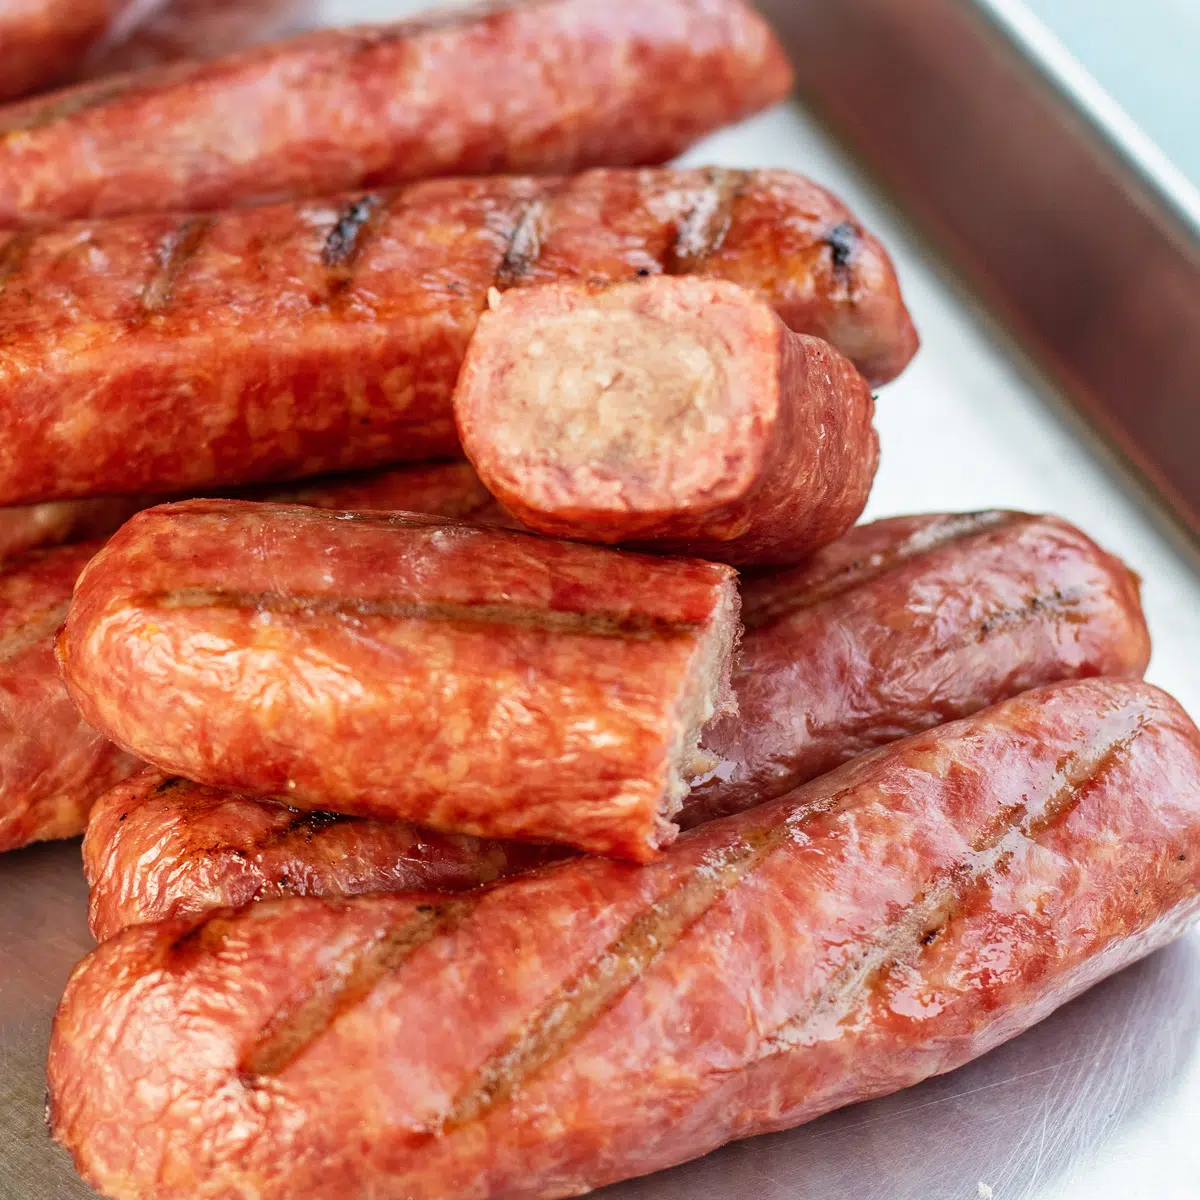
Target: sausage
(159, 847)
(904, 624)
(52, 764)
(595, 1021)
(40, 40)
(475, 680)
(328, 335)
(543, 86)
(198, 29)
(675, 414)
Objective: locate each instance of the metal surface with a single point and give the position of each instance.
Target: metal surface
(1063, 216)
(1102, 1101)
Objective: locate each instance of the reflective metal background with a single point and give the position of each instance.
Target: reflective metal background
(1101, 1102)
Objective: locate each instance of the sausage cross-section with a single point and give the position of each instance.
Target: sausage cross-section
(159, 847)
(175, 354)
(903, 624)
(678, 414)
(542, 86)
(595, 1020)
(476, 680)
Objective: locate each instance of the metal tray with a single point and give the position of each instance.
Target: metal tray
(1099, 1102)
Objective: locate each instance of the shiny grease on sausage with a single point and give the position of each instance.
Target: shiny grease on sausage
(595, 1021)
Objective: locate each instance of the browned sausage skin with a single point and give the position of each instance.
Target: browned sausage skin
(53, 765)
(476, 680)
(328, 335)
(679, 415)
(159, 847)
(903, 624)
(542, 86)
(885, 923)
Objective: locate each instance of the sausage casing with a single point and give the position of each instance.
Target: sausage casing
(159, 847)
(327, 336)
(677, 414)
(903, 624)
(595, 1021)
(476, 680)
(52, 763)
(540, 86)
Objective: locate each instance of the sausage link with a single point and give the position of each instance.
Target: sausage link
(42, 40)
(52, 764)
(198, 29)
(174, 354)
(594, 1021)
(475, 680)
(680, 415)
(536, 86)
(159, 847)
(906, 623)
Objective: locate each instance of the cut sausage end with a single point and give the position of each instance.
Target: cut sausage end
(614, 408)
(706, 695)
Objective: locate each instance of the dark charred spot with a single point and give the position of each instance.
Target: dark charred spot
(166, 786)
(643, 272)
(929, 938)
(842, 240)
(1183, 858)
(342, 244)
(122, 818)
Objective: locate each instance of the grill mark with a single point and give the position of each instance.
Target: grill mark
(346, 243)
(300, 1023)
(37, 629)
(596, 624)
(843, 240)
(772, 603)
(703, 231)
(1056, 602)
(307, 823)
(168, 785)
(942, 902)
(176, 251)
(524, 247)
(13, 254)
(578, 1004)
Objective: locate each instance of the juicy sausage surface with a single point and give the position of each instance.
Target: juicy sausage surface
(903, 624)
(679, 415)
(594, 1021)
(475, 680)
(159, 847)
(537, 86)
(328, 335)
(53, 765)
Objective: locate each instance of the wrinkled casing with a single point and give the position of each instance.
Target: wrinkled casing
(168, 354)
(903, 624)
(475, 680)
(159, 847)
(52, 764)
(594, 1021)
(542, 86)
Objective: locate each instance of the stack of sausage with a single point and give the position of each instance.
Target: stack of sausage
(475, 829)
